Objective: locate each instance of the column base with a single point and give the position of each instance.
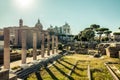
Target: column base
(12, 77)
(35, 62)
(24, 66)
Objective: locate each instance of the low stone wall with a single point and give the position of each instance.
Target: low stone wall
(113, 52)
(81, 51)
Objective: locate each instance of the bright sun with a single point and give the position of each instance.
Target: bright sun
(23, 4)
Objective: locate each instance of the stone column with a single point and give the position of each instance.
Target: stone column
(48, 44)
(23, 36)
(6, 48)
(53, 44)
(38, 38)
(34, 46)
(16, 38)
(42, 46)
(56, 44)
(19, 37)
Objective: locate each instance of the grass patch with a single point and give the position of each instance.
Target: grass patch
(60, 70)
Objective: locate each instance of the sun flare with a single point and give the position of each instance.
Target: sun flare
(23, 4)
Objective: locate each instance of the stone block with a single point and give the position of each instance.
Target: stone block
(113, 52)
(4, 74)
(12, 77)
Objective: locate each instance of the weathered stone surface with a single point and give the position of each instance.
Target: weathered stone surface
(48, 44)
(23, 35)
(102, 48)
(81, 51)
(34, 46)
(12, 77)
(4, 74)
(113, 52)
(56, 44)
(6, 48)
(42, 46)
(53, 44)
(16, 38)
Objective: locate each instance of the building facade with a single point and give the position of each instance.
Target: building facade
(64, 32)
(15, 34)
(65, 29)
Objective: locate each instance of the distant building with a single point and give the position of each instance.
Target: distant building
(15, 33)
(64, 31)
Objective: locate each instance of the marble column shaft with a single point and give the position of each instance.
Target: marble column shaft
(34, 46)
(23, 36)
(48, 44)
(53, 44)
(56, 44)
(16, 38)
(42, 45)
(6, 48)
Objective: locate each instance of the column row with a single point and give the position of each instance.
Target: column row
(23, 42)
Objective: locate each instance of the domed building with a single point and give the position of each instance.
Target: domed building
(15, 33)
(39, 25)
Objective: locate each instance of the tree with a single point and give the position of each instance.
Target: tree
(76, 38)
(119, 28)
(100, 31)
(87, 34)
(94, 26)
(107, 34)
(51, 30)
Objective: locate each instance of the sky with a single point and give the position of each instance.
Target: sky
(79, 14)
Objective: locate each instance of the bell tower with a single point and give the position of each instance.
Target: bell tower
(20, 23)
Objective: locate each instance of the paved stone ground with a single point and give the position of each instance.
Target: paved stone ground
(29, 59)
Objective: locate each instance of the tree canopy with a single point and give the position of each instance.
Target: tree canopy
(87, 34)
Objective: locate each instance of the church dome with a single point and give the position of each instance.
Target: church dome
(39, 25)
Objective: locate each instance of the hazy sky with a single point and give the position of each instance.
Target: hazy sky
(78, 13)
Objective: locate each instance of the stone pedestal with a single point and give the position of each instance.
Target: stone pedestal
(6, 48)
(34, 46)
(12, 77)
(53, 44)
(23, 35)
(48, 44)
(42, 46)
(56, 44)
(4, 74)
